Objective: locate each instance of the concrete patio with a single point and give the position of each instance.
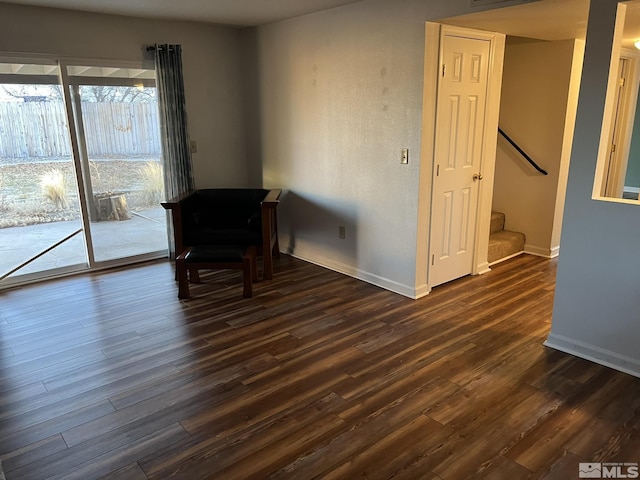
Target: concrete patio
(144, 233)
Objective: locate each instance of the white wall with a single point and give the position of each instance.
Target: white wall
(597, 303)
(211, 62)
(340, 95)
(533, 112)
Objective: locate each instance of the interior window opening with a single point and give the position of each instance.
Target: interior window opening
(618, 170)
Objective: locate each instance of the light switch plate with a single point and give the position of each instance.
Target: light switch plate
(404, 156)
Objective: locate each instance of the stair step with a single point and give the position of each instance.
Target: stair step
(497, 222)
(505, 244)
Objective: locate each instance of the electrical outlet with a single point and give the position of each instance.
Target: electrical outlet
(404, 156)
(342, 233)
(193, 146)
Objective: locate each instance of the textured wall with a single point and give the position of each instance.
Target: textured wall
(340, 94)
(597, 294)
(211, 61)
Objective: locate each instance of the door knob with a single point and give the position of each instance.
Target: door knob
(477, 176)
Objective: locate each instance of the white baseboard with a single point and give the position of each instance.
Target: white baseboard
(631, 189)
(483, 268)
(545, 252)
(422, 291)
(351, 271)
(500, 260)
(594, 354)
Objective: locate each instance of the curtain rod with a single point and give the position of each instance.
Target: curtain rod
(153, 48)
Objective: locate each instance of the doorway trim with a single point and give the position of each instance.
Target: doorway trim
(433, 32)
(622, 121)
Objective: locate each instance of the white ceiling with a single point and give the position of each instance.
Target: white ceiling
(547, 20)
(544, 20)
(541, 19)
(228, 12)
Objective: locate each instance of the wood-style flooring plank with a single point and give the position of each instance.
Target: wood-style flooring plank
(109, 375)
(128, 472)
(547, 439)
(238, 459)
(358, 437)
(21, 432)
(387, 457)
(33, 452)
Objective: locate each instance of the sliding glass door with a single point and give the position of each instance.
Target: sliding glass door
(80, 169)
(116, 117)
(40, 222)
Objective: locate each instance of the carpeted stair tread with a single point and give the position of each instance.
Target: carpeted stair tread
(497, 222)
(505, 243)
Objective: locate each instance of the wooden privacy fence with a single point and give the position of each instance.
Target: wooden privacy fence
(121, 129)
(39, 129)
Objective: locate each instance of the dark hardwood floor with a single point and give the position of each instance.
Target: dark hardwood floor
(318, 376)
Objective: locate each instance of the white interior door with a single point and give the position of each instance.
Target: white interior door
(614, 175)
(461, 104)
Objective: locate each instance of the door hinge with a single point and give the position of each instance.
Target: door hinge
(444, 68)
(433, 260)
(613, 148)
(622, 81)
(437, 170)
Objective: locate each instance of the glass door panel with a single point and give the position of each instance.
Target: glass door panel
(40, 225)
(116, 115)
(74, 199)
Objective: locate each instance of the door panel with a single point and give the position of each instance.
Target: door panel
(119, 132)
(461, 107)
(614, 173)
(73, 198)
(40, 226)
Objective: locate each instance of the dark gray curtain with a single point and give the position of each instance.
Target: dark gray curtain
(178, 170)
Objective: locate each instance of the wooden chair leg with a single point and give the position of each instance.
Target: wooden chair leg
(276, 245)
(247, 276)
(183, 281)
(194, 276)
(251, 252)
(267, 265)
(187, 270)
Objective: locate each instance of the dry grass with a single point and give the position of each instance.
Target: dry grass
(54, 188)
(153, 181)
(21, 194)
(4, 206)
